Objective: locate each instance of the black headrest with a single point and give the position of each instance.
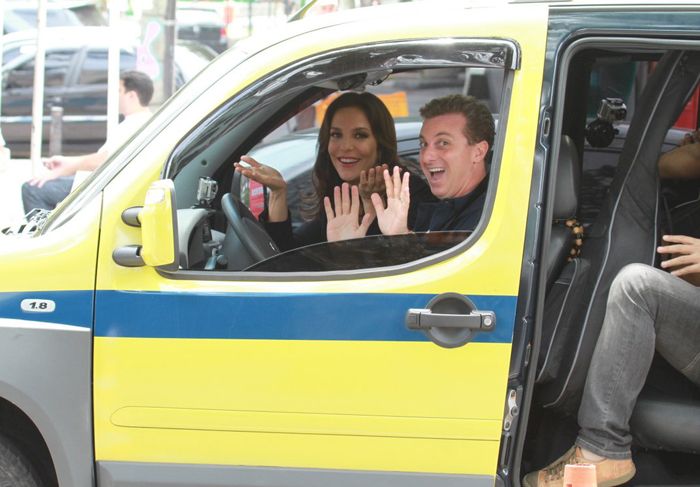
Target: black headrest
(568, 181)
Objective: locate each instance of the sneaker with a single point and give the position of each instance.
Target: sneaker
(609, 472)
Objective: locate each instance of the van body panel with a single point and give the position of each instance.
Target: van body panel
(364, 393)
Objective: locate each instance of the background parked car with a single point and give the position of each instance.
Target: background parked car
(14, 23)
(76, 79)
(21, 14)
(203, 25)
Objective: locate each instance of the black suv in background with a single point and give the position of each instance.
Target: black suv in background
(75, 79)
(202, 25)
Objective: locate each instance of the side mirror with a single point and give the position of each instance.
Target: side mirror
(158, 219)
(159, 235)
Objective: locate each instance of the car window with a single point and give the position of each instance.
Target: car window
(89, 15)
(54, 17)
(57, 65)
(61, 17)
(94, 68)
(291, 149)
(15, 23)
(602, 149)
(198, 16)
(278, 117)
(356, 254)
(277, 120)
(27, 15)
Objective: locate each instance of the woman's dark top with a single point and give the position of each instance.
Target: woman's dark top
(314, 231)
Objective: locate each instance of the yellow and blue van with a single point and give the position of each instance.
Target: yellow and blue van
(148, 337)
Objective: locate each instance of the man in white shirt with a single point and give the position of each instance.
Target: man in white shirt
(47, 190)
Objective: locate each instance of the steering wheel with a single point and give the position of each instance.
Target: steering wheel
(248, 229)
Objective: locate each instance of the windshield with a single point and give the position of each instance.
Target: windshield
(176, 104)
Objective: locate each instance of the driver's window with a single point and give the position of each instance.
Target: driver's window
(282, 133)
(22, 76)
(292, 147)
(57, 64)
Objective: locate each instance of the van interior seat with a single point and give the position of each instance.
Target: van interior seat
(625, 231)
(560, 275)
(664, 422)
(566, 200)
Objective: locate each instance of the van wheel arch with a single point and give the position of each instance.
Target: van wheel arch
(21, 439)
(15, 469)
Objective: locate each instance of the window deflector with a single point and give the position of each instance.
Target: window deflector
(345, 69)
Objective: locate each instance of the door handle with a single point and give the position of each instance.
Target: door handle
(450, 320)
(420, 319)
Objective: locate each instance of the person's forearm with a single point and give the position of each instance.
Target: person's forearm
(90, 162)
(277, 210)
(683, 162)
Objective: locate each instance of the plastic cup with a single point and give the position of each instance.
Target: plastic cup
(582, 475)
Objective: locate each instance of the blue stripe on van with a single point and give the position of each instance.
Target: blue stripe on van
(357, 317)
(72, 307)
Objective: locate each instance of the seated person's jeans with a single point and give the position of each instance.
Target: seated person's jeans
(46, 197)
(647, 309)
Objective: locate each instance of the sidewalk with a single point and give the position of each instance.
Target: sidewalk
(12, 174)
